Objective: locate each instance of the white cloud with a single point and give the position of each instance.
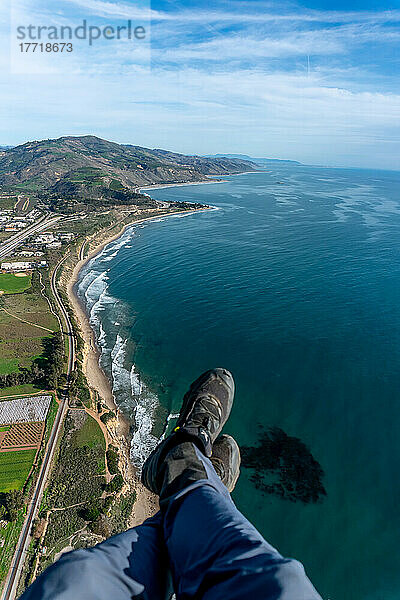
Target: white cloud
(119, 10)
(261, 13)
(278, 115)
(221, 92)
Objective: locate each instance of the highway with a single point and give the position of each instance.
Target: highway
(11, 583)
(16, 240)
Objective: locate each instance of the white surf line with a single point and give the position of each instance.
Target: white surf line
(167, 420)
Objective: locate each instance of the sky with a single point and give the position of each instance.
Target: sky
(316, 82)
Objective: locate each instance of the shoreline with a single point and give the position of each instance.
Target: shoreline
(96, 376)
(160, 186)
(146, 504)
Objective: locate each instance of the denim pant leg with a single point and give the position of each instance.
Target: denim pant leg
(129, 565)
(216, 554)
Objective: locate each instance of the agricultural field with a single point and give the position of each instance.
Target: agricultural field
(24, 410)
(21, 438)
(14, 468)
(25, 323)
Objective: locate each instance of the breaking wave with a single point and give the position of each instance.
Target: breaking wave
(111, 321)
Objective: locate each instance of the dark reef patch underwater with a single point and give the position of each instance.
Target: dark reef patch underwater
(283, 465)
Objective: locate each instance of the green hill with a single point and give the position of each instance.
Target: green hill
(91, 168)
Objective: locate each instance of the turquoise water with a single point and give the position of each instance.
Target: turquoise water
(294, 287)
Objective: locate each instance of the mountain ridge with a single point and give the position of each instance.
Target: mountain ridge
(91, 168)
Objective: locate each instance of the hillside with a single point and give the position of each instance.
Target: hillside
(90, 168)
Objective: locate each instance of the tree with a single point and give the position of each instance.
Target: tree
(112, 460)
(14, 500)
(101, 526)
(115, 485)
(106, 417)
(90, 513)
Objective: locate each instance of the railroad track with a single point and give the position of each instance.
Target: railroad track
(11, 584)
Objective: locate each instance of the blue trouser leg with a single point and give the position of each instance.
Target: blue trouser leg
(130, 565)
(216, 554)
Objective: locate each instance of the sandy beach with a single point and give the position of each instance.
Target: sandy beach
(146, 503)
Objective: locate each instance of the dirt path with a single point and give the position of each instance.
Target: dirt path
(24, 395)
(25, 321)
(43, 292)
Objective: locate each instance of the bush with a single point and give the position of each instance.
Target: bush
(107, 502)
(121, 512)
(90, 513)
(112, 460)
(106, 417)
(63, 524)
(14, 500)
(115, 485)
(101, 526)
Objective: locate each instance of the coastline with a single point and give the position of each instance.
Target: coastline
(208, 181)
(160, 186)
(146, 504)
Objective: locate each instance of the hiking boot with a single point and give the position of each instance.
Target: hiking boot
(206, 407)
(226, 460)
(205, 410)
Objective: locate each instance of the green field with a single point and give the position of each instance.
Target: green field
(19, 390)
(14, 469)
(21, 342)
(92, 436)
(4, 428)
(8, 365)
(7, 203)
(10, 534)
(11, 284)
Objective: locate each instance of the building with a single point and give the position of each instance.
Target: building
(23, 266)
(16, 266)
(45, 238)
(30, 253)
(55, 244)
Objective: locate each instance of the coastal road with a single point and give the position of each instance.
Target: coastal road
(11, 583)
(82, 250)
(11, 244)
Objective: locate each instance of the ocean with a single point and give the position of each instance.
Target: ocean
(293, 283)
